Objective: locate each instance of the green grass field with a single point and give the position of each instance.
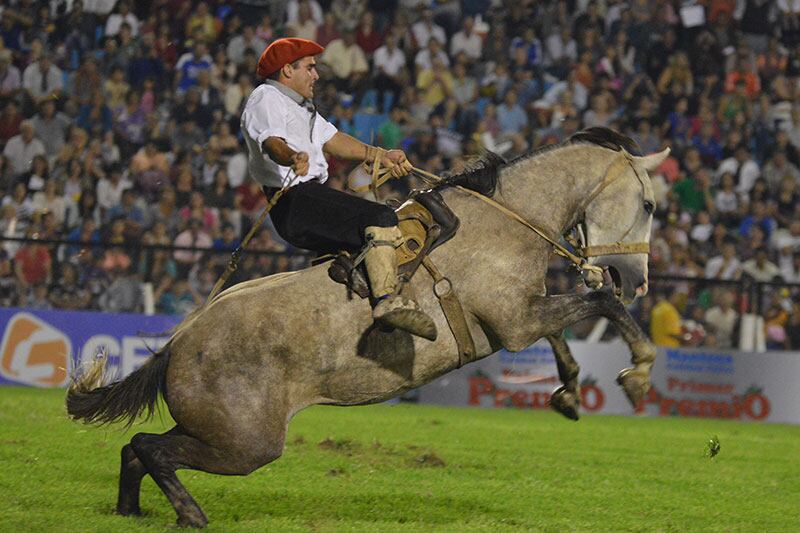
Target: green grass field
(415, 468)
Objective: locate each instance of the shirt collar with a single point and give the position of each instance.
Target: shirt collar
(296, 97)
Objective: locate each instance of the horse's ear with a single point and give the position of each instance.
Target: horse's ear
(653, 161)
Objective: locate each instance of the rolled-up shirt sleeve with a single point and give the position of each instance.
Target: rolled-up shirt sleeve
(264, 121)
(326, 129)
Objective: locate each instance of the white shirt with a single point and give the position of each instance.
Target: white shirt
(100, 7)
(110, 195)
(424, 60)
(747, 177)
(271, 113)
(423, 34)
(391, 62)
(115, 21)
(20, 154)
(471, 44)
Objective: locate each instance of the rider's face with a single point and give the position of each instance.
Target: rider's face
(304, 77)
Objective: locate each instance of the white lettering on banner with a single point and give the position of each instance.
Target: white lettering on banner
(136, 351)
(123, 357)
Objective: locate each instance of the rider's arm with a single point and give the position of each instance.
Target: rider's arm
(280, 152)
(344, 146)
(277, 150)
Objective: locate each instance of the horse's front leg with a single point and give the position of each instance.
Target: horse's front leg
(567, 398)
(554, 313)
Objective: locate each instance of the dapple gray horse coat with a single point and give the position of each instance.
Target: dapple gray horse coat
(235, 373)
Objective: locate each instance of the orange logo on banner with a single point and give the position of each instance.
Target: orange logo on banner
(34, 352)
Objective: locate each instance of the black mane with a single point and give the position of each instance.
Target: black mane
(481, 174)
(606, 138)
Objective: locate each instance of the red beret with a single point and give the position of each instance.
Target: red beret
(284, 51)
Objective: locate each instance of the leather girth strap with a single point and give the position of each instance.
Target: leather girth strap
(453, 312)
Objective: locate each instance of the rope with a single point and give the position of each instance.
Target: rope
(233, 263)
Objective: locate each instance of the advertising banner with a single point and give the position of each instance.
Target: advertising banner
(686, 382)
(41, 348)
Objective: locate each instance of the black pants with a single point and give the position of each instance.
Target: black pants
(316, 217)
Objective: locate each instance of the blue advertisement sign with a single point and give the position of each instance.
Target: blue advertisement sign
(42, 348)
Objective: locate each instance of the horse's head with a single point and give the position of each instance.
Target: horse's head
(617, 222)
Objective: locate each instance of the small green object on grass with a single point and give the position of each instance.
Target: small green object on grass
(712, 447)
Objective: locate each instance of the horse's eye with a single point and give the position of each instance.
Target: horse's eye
(649, 207)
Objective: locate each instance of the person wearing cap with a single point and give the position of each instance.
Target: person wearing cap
(287, 141)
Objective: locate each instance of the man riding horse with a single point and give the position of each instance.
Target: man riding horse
(287, 140)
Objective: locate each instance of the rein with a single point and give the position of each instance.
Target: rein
(582, 253)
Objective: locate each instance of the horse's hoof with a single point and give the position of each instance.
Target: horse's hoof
(635, 383)
(566, 402)
(129, 512)
(193, 520)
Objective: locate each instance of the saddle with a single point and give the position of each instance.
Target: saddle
(425, 221)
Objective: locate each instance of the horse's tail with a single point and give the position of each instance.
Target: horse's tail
(94, 403)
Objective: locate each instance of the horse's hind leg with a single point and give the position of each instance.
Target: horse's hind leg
(163, 454)
(567, 398)
(131, 473)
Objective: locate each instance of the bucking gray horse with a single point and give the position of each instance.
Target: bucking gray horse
(234, 374)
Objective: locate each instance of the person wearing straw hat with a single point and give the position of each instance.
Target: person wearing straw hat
(287, 141)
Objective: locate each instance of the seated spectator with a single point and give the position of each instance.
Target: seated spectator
(425, 29)
(9, 296)
(197, 210)
(48, 200)
(50, 127)
(189, 68)
(778, 168)
(96, 117)
(436, 83)
(305, 27)
(32, 263)
(21, 203)
(220, 195)
(150, 168)
(124, 294)
(42, 80)
(467, 40)
(247, 39)
(122, 14)
(202, 23)
(67, 293)
(38, 174)
(328, 30)
(760, 268)
(21, 149)
(10, 121)
(109, 190)
(425, 58)
(759, 217)
(723, 319)
(726, 265)
(192, 237)
(10, 77)
(176, 297)
(346, 61)
(129, 210)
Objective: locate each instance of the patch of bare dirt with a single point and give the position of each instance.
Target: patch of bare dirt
(429, 459)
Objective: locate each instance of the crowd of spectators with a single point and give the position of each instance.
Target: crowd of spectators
(120, 126)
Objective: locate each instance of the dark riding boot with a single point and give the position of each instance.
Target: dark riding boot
(392, 309)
